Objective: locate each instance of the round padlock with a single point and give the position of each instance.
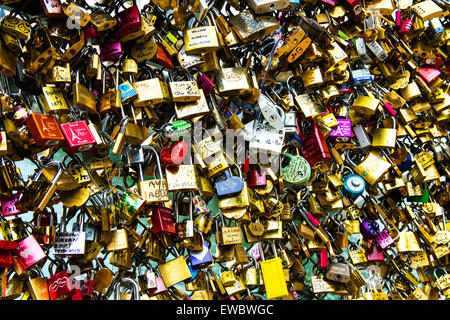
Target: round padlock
(354, 185)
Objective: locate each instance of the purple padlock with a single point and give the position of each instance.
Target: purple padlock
(384, 240)
(369, 228)
(90, 32)
(128, 21)
(9, 206)
(205, 83)
(343, 132)
(111, 50)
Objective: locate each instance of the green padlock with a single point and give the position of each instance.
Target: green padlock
(423, 198)
(298, 171)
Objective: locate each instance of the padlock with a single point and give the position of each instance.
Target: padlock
(70, 243)
(174, 271)
(134, 287)
(385, 137)
(155, 190)
(200, 39)
(229, 185)
(272, 273)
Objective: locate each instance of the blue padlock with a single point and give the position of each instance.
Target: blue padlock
(406, 165)
(194, 273)
(229, 185)
(354, 185)
(201, 258)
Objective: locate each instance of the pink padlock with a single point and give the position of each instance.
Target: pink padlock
(329, 2)
(322, 261)
(384, 240)
(111, 50)
(374, 253)
(313, 219)
(29, 252)
(79, 137)
(389, 109)
(205, 83)
(428, 74)
(160, 287)
(406, 26)
(398, 18)
(9, 206)
(90, 32)
(128, 21)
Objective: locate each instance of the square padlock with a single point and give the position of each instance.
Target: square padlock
(79, 137)
(44, 129)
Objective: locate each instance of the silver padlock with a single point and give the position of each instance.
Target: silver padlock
(362, 136)
(338, 272)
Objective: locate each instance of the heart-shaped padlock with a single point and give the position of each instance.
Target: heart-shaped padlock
(298, 171)
(229, 186)
(174, 153)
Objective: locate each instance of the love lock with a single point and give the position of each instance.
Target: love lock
(229, 185)
(298, 171)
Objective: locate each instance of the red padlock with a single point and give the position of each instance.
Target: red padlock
(75, 293)
(174, 153)
(110, 50)
(161, 57)
(79, 137)
(44, 129)
(315, 148)
(8, 245)
(436, 62)
(354, 7)
(59, 286)
(90, 32)
(5, 259)
(87, 286)
(256, 178)
(162, 220)
(322, 258)
(128, 21)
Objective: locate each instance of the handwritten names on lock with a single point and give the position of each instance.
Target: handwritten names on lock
(319, 285)
(265, 138)
(8, 205)
(183, 177)
(231, 235)
(441, 251)
(54, 99)
(358, 256)
(144, 52)
(184, 88)
(71, 243)
(154, 190)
